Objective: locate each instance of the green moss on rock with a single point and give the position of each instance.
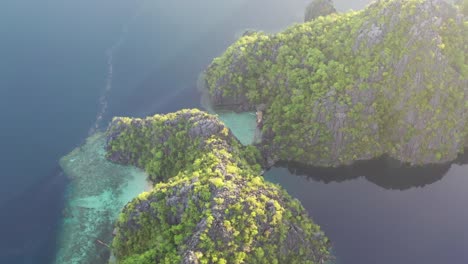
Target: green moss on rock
(390, 79)
(210, 205)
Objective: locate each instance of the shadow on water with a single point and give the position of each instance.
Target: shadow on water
(29, 240)
(384, 172)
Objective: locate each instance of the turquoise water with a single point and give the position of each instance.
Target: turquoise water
(98, 191)
(242, 125)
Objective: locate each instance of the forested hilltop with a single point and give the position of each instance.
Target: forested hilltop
(390, 79)
(209, 203)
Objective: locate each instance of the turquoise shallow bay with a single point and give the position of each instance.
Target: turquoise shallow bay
(99, 190)
(242, 125)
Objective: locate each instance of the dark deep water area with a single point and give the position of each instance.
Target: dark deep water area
(67, 67)
(384, 212)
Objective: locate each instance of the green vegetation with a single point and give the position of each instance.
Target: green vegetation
(210, 205)
(463, 5)
(391, 79)
(319, 8)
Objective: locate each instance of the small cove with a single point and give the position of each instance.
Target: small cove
(243, 125)
(97, 193)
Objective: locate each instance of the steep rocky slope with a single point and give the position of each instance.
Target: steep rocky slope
(391, 79)
(210, 205)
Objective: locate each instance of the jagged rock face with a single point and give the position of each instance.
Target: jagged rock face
(391, 79)
(153, 143)
(430, 121)
(214, 208)
(319, 8)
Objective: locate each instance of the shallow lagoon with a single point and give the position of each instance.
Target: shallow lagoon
(242, 125)
(98, 191)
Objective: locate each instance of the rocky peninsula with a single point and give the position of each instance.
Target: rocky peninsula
(209, 203)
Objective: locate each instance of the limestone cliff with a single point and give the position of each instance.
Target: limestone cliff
(210, 205)
(387, 80)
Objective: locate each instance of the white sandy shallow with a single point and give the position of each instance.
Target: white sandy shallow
(98, 192)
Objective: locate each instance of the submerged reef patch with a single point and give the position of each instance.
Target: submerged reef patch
(98, 191)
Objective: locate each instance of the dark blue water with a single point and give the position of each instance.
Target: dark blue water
(51, 74)
(386, 213)
(54, 72)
